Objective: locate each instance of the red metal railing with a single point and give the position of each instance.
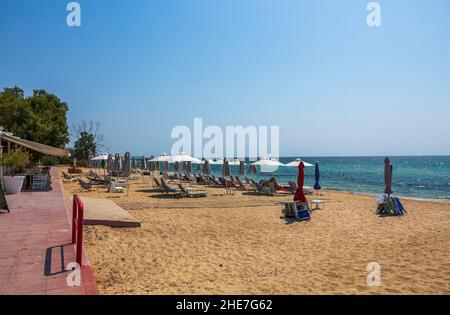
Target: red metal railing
(77, 228)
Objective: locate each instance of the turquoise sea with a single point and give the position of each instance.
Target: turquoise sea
(413, 176)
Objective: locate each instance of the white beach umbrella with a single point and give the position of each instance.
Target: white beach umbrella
(296, 163)
(101, 157)
(162, 158)
(268, 162)
(184, 158)
(235, 163)
(216, 162)
(268, 165)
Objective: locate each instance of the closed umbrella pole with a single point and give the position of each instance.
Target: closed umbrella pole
(388, 176)
(241, 168)
(225, 168)
(143, 163)
(189, 167)
(317, 177)
(117, 163)
(126, 167)
(110, 163)
(299, 195)
(206, 168)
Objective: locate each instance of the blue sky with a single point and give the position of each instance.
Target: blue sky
(334, 85)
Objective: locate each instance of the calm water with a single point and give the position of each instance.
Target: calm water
(421, 177)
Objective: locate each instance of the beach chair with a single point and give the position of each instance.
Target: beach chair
(223, 182)
(39, 182)
(293, 187)
(262, 190)
(400, 210)
(233, 183)
(84, 185)
(216, 181)
(190, 177)
(202, 180)
(306, 190)
(115, 189)
(67, 177)
(277, 186)
(186, 192)
(169, 189)
(299, 211)
(243, 186)
(156, 185)
(274, 191)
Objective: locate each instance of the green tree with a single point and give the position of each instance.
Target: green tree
(85, 147)
(51, 121)
(16, 115)
(40, 117)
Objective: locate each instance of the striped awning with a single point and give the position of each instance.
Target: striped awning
(34, 146)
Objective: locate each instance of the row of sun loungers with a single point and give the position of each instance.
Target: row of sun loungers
(179, 189)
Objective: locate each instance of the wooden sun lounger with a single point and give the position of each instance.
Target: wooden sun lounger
(186, 192)
(169, 189)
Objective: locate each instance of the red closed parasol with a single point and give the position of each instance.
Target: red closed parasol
(299, 195)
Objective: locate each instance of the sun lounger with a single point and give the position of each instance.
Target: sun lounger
(277, 186)
(233, 183)
(243, 186)
(115, 189)
(67, 177)
(169, 189)
(306, 190)
(398, 205)
(274, 191)
(262, 190)
(293, 187)
(157, 185)
(84, 185)
(186, 192)
(389, 206)
(299, 211)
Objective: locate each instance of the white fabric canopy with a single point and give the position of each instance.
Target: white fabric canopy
(217, 162)
(34, 146)
(162, 158)
(102, 157)
(268, 162)
(184, 158)
(235, 163)
(268, 165)
(296, 163)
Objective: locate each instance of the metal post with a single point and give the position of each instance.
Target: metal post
(74, 220)
(80, 235)
(77, 228)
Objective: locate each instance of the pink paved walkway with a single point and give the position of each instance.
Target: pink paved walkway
(35, 245)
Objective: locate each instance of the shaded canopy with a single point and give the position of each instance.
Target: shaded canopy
(34, 146)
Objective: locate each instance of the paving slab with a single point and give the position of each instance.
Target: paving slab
(35, 245)
(98, 211)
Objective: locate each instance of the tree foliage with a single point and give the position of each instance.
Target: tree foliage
(84, 147)
(88, 140)
(40, 117)
(14, 161)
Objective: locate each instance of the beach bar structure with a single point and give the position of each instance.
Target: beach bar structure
(12, 141)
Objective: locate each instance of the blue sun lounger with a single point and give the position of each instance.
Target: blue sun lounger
(303, 215)
(399, 209)
(296, 210)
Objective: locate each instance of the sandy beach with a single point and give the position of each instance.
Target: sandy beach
(238, 244)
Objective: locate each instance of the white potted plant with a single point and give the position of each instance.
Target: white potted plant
(12, 162)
